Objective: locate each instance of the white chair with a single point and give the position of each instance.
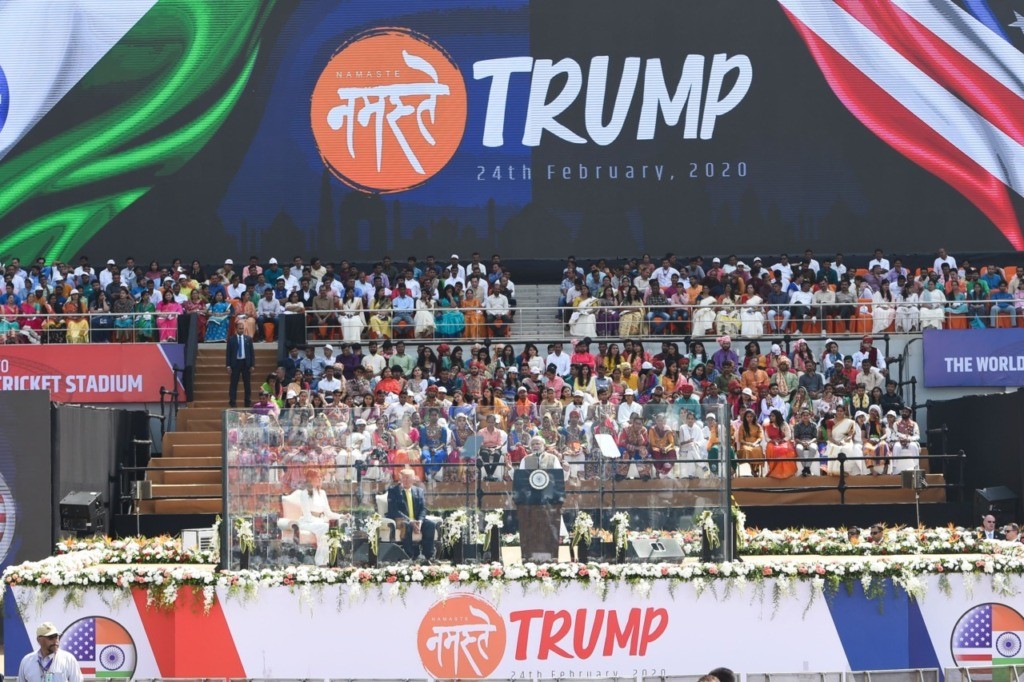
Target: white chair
(288, 523)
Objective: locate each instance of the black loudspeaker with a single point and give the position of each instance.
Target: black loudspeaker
(998, 500)
(82, 512)
(387, 552)
(653, 551)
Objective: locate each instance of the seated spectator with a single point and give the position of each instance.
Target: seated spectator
(1003, 304)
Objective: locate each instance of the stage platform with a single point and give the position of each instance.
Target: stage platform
(519, 622)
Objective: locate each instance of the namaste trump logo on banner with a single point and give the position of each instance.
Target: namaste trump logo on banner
(103, 648)
(461, 637)
(389, 110)
(990, 634)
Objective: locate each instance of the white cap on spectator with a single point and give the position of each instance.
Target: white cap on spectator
(710, 415)
(892, 413)
(360, 422)
(111, 262)
(229, 262)
(629, 391)
(58, 278)
(647, 365)
(455, 256)
(741, 264)
(521, 389)
(442, 389)
(757, 259)
(513, 370)
(73, 292)
(168, 279)
(329, 347)
(776, 349)
(578, 394)
(182, 276)
(747, 391)
(292, 394)
(716, 259)
(535, 370)
(273, 261)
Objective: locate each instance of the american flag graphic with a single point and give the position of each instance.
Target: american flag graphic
(939, 82)
(988, 635)
(103, 648)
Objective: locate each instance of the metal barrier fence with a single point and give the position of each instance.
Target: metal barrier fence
(524, 322)
(973, 674)
(91, 327)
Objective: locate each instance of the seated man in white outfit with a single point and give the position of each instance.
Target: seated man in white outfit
(840, 440)
(906, 443)
(316, 514)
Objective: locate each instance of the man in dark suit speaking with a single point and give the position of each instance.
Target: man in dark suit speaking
(406, 504)
(240, 361)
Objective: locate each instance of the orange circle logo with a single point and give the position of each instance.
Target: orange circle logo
(389, 110)
(462, 637)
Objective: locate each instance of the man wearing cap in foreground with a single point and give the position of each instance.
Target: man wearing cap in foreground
(50, 663)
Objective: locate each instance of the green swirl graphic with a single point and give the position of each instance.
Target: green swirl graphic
(170, 84)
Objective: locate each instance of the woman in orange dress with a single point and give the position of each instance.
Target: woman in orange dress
(245, 314)
(472, 311)
(749, 441)
(77, 322)
(780, 452)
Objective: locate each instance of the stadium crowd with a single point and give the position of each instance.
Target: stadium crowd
(384, 407)
(58, 302)
(700, 298)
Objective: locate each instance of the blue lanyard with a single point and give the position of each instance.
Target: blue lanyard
(46, 668)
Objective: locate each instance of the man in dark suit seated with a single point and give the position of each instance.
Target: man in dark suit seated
(408, 507)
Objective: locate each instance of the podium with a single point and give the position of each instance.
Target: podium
(538, 495)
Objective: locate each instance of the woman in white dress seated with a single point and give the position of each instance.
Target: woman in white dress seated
(424, 320)
(933, 303)
(316, 514)
(704, 315)
(840, 440)
(907, 314)
(751, 316)
(583, 322)
(883, 308)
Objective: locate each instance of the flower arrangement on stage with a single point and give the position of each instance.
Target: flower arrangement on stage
(69, 574)
(620, 524)
(454, 528)
(244, 534)
(163, 549)
(372, 527)
(492, 520)
(895, 541)
(707, 526)
(335, 536)
(582, 529)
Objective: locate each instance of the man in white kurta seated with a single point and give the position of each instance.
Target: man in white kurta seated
(316, 514)
(840, 440)
(906, 443)
(693, 451)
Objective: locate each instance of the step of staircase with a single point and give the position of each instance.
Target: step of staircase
(184, 477)
(173, 490)
(198, 506)
(212, 448)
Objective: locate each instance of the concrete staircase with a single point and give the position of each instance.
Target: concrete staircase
(187, 477)
(532, 324)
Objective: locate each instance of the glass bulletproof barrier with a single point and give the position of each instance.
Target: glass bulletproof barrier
(586, 481)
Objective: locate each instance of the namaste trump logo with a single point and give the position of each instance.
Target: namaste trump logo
(461, 637)
(389, 110)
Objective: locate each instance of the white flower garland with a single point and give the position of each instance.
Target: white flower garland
(620, 522)
(65, 575)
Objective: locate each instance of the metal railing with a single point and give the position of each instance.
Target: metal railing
(531, 322)
(1008, 673)
(95, 327)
